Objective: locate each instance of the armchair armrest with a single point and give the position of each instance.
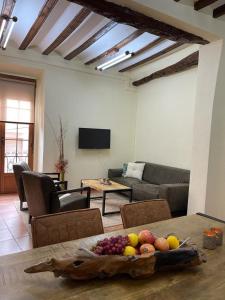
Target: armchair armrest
(115, 172)
(176, 195)
(86, 188)
(57, 174)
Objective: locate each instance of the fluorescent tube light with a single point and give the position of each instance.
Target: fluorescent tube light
(2, 27)
(117, 62)
(14, 19)
(114, 61)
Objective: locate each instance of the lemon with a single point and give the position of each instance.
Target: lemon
(173, 242)
(129, 251)
(133, 239)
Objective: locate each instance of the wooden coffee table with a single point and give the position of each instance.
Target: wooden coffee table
(96, 185)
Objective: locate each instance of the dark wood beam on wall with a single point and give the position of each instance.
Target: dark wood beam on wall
(150, 58)
(124, 15)
(203, 3)
(116, 47)
(74, 24)
(42, 16)
(219, 11)
(182, 65)
(91, 40)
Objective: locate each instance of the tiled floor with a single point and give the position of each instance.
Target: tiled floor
(14, 228)
(15, 232)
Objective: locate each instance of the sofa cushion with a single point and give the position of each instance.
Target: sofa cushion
(158, 174)
(127, 181)
(135, 170)
(145, 191)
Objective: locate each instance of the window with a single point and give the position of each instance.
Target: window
(16, 101)
(16, 145)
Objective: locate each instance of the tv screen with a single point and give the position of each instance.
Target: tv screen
(90, 138)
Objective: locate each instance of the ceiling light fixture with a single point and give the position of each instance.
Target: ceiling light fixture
(114, 61)
(4, 33)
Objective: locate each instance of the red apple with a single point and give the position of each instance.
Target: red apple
(161, 244)
(147, 249)
(146, 237)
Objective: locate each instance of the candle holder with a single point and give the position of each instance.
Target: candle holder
(209, 240)
(219, 235)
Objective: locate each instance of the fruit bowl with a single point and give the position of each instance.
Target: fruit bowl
(143, 243)
(137, 255)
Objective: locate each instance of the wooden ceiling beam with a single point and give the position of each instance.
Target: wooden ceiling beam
(42, 16)
(149, 46)
(182, 65)
(146, 48)
(91, 40)
(116, 47)
(74, 24)
(124, 15)
(219, 11)
(7, 9)
(203, 3)
(150, 58)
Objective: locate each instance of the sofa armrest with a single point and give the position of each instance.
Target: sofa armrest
(115, 173)
(176, 195)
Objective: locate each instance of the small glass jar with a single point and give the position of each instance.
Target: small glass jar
(209, 240)
(219, 235)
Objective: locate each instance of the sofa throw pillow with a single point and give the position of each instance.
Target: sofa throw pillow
(124, 169)
(135, 170)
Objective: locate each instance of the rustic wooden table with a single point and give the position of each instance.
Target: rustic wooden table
(206, 281)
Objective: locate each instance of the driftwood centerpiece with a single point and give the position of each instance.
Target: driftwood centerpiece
(89, 265)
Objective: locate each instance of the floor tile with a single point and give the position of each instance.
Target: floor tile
(5, 235)
(15, 221)
(8, 247)
(9, 214)
(25, 243)
(2, 224)
(18, 231)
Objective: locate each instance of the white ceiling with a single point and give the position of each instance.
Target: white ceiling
(64, 11)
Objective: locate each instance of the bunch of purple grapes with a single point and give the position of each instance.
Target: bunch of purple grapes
(111, 246)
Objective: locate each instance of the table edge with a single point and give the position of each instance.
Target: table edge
(210, 217)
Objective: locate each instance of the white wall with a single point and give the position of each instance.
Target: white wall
(82, 98)
(165, 112)
(209, 59)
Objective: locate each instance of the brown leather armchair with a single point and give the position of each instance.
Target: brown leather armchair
(43, 198)
(18, 169)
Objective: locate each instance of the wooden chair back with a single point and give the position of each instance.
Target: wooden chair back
(66, 226)
(144, 212)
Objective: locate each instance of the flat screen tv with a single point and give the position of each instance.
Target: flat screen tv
(90, 138)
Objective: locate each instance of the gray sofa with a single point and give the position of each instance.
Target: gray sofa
(158, 182)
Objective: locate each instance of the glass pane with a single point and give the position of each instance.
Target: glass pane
(10, 147)
(22, 159)
(22, 148)
(12, 114)
(11, 103)
(23, 131)
(10, 131)
(24, 115)
(9, 161)
(25, 105)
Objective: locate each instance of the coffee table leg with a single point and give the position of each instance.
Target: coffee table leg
(81, 185)
(131, 195)
(103, 203)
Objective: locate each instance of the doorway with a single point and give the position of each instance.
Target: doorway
(16, 145)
